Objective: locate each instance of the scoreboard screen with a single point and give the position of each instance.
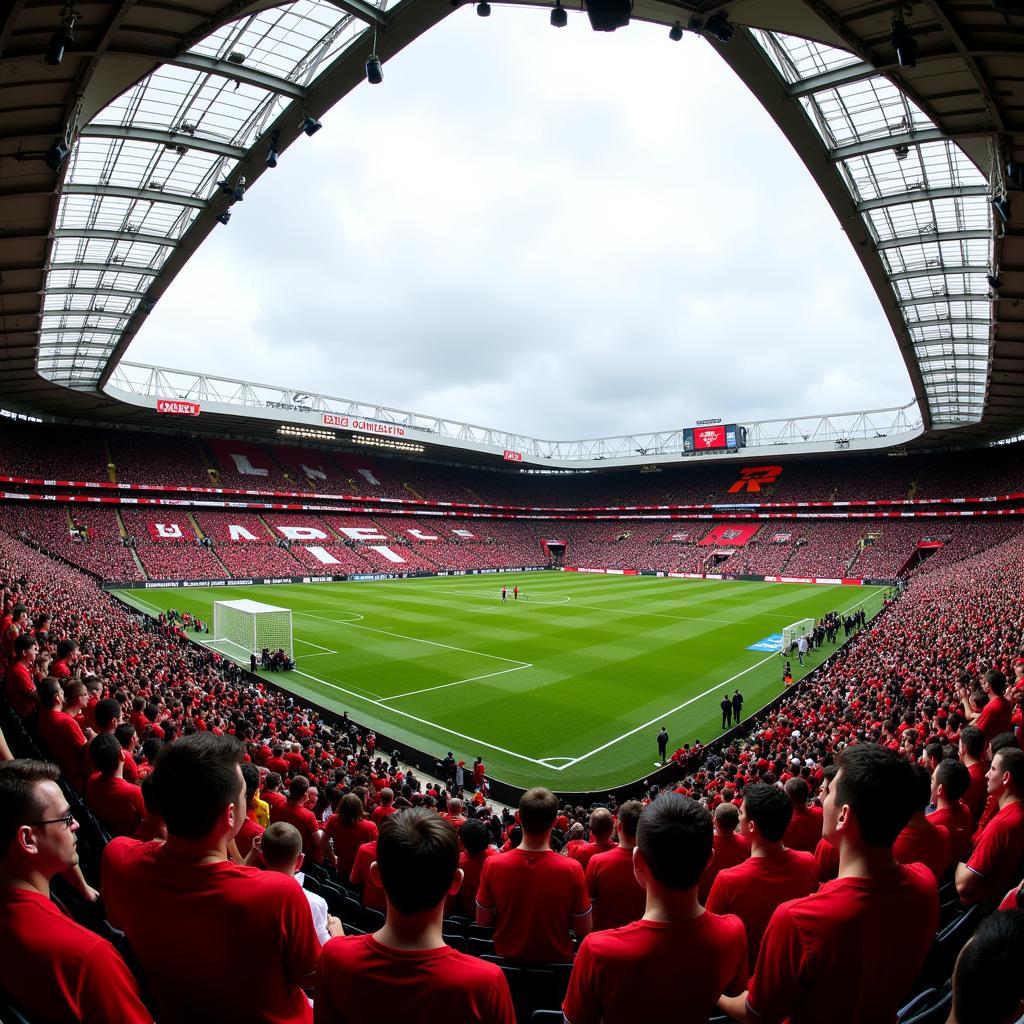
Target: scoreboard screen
(720, 436)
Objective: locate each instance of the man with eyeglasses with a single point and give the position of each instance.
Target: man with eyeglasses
(52, 968)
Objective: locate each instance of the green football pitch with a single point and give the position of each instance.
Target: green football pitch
(566, 687)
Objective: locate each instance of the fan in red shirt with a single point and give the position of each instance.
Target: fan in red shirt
(251, 828)
(679, 958)
(118, 804)
(729, 848)
(771, 875)
(533, 897)
(276, 763)
(618, 898)
(385, 808)
(994, 865)
(602, 827)
(972, 754)
(194, 919)
(62, 735)
(271, 791)
(405, 972)
(476, 849)
(804, 830)
(850, 952)
(52, 968)
(21, 683)
(997, 715)
(949, 783)
(296, 813)
(922, 841)
(373, 894)
(346, 831)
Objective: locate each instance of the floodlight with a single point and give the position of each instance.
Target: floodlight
(57, 154)
(1015, 174)
(63, 37)
(719, 26)
(1001, 204)
(902, 151)
(224, 217)
(608, 15)
(904, 44)
(483, 9)
(310, 125)
(559, 16)
(993, 282)
(374, 71)
(272, 153)
(675, 33)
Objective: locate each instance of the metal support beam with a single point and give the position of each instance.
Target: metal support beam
(363, 11)
(910, 275)
(951, 321)
(922, 195)
(239, 73)
(104, 268)
(117, 293)
(116, 236)
(832, 79)
(148, 194)
(935, 236)
(879, 145)
(161, 138)
(80, 330)
(923, 300)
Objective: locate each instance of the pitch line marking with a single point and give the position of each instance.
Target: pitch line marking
(459, 682)
(309, 643)
(424, 721)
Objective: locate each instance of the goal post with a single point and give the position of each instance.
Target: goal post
(792, 633)
(249, 626)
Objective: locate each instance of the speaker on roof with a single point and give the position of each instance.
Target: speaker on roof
(608, 15)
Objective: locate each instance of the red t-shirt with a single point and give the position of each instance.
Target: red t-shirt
(584, 851)
(617, 896)
(346, 839)
(362, 981)
(21, 689)
(957, 822)
(977, 791)
(752, 890)
(928, 845)
(996, 717)
(804, 829)
(57, 971)
(998, 853)
(194, 927)
(380, 812)
(117, 804)
(464, 901)
(273, 798)
(826, 856)
(250, 829)
(727, 851)
(535, 897)
(848, 953)
(655, 970)
(373, 895)
(304, 820)
(66, 743)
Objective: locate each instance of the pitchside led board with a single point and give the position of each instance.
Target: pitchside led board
(724, 436)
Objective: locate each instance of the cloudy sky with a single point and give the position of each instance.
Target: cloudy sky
(563, 233)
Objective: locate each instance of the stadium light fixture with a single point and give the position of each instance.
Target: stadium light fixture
(719, 26)
(483, 9)
(272, 154)
(903, 43)
(224, 217)
(675, 33)
(1001, 204)
(63, 37)
(559, 15)
(308, 433)
(236, 191)
(374, 70)
(384, 442)
(310, 125)
(1015, 174)
(57, 154)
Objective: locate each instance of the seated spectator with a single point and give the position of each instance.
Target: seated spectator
(923, 841)
(280, 848)
(804, 830)
(994, 865)
(949, 784)
(617, 897)
(190, 913)
(729, 848)
(117, 804)
(345, 832)
(476, 849)
(987, 986)
(679, 958)
(270, 791)
(771, 875)
(296, 813)
(52, 968)
(531, 895)
(62, 735)
(850, 952)
(602, 838)
(250, 827)
(453, 815)
(404, 972)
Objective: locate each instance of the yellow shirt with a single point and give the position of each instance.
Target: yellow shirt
(262, 809)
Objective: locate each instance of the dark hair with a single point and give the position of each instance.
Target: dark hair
(149, 794)
(538, 809)
(797, 790)
(23, 643)
(675, 838)
(769, 809)
(281, 844)
(272, 781)
(987, 988)
(48, 689)
(629, 817)
(105, 752)
(474, 836)
(251, 774)
(996, 681)
(124, 733)
(19, 802)
(1002, 741)
(417, 856)
(196, 779)
(298, 787)
(973, 740)
(879, 787)
(954, 778)
(922, 784)
(350, 809)
(1011, 759)
(106, 711)
(64, 648)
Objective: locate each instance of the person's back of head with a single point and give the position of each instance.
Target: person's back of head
(106, 753)
(251, 775)
(196, 780)
(417, 857)
(298, 788)
(797, 790)
(1003, 741)
(455, 807)
(879, 789)
(629, 818)
(538, 809)
(674, 838)
(350, 809)
(281, 847)
(972, 739)
(987, 985)
(996, 681)
(387, 796)
(272, 783)
(601, 823)
(474, 837)
(921, 785)
(953, 777)
(107, 712)
(727, 818)
(48, 690)
(769, 808)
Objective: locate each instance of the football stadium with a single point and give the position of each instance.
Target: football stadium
(710, 710)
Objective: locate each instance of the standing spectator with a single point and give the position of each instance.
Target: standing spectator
(118, 804)
(190, 913)
(771, 875)
(804, 831)
(923, 841)
(372, 893)
(296, 813)
(949, 784)
(726, 706)
(972, 754)
(729, 848)
(475, 851)
(405, 971)
(663, 745)
(533, 897)
(271, 790)
(679, 955)
(997, 715)
(21, 684)
(849, 953)
(617, 897)
(737, 707)
(347, 831)
(52, 968)
(385, 808)
(251, 828)
(479, 771)
(62, 735)
(602, 840)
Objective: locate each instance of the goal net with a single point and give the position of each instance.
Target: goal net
(249, 626)
(791, 634)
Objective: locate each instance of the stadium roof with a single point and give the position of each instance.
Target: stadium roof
(166, 107)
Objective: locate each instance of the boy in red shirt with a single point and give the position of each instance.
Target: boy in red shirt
(804, 831)
(949, 784)
(296, 813)
(533, 897)
(923, 841)
(52, 968)
(405, 972)
(638, 972)
(118, 804)
(617, 896)
(850, 952)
